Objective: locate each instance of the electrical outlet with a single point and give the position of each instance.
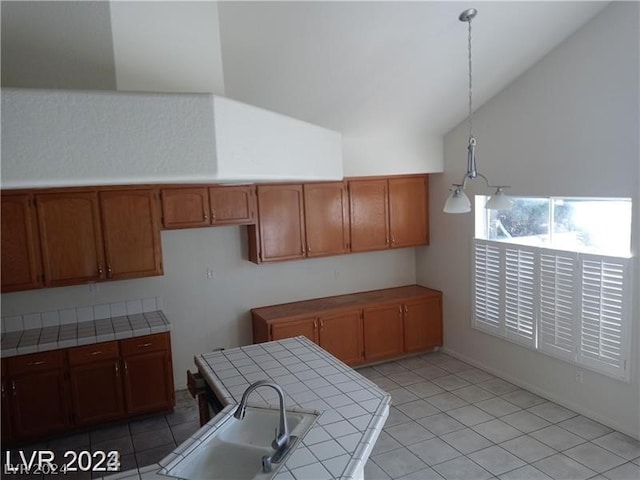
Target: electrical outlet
(93, 287)
(579, 376)
(210, 273)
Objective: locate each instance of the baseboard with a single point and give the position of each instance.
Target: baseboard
(543, 393)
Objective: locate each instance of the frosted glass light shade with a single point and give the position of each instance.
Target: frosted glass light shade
(499, 201)
(457, 202)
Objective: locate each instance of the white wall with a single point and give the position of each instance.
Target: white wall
(568, 126)
(392, 154)
(167, 46)
(151, 52)
(57, 45)
(207, 314)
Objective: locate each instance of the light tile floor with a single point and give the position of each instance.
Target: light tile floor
(140, 442)
(452, 421)
(448, 421)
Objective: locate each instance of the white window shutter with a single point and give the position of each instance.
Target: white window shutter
(520, 279)
(486, 279)
(558, 301)
(605, 326)
(572, 306)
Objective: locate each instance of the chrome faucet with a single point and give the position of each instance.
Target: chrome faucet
(282, 440)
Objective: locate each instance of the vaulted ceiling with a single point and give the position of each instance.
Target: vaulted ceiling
(362, 68)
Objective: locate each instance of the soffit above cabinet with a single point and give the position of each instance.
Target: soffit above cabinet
(53, 138)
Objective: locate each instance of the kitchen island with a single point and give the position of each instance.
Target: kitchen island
(352, 409)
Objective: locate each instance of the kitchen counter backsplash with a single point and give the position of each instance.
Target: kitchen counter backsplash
(39, 332)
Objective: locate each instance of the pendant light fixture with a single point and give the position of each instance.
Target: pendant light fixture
(458, 202)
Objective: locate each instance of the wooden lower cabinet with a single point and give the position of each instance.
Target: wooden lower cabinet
(147, 383)
(39, 404)
(148, 374)
(383, 332)
(38, 393)
(96, 384)
(341, 335)
(294, 328)
(7, 431)
(360, 327)
(51, 392)
(422, 324)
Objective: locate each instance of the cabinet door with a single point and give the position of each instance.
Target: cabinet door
(294, 328)
(341, 335)
(71, 237)
(96, 392)
(281, 222)
(39, 404)
(383, 332)
(422, 324)
(131, 233)
(20, 250)
(326, 211)
(369, 215)
(232, 205)
(148, 382)
(95, 383)
(408, 211)
(185, 207)
(5, 409)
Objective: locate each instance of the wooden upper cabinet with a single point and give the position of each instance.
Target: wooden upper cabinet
(326, 210)
(71, 237)
(189, 207)
(131, 233)
(185, 207)
(369, 214)
(408, 212)
(21, 263)
(281, 222)
(232, 205)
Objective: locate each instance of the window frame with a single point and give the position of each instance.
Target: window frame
(482, 218)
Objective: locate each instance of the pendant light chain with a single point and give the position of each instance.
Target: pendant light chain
(470, 87)
(458, 202)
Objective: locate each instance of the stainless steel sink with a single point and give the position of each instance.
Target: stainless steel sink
(234, 449)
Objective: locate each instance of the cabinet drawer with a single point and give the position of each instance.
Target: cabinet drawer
(93, 353)
(35, 362)
(147, 343)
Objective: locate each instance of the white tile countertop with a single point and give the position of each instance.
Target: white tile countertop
(42, 339)
(352, 409)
